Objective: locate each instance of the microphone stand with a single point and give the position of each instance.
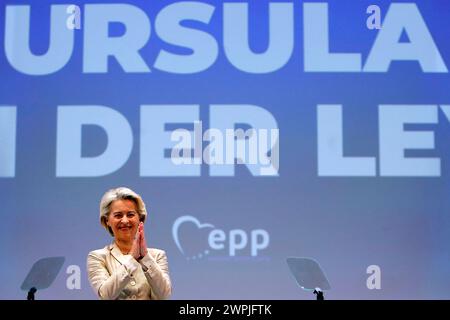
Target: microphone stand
(31, 293)
(319, 294)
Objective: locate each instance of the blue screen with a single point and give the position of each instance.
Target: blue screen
(254, 131)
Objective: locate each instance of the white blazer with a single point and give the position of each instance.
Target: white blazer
(114, 275)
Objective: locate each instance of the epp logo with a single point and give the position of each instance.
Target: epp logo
(236, 239)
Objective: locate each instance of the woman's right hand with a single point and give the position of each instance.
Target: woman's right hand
(135, 247)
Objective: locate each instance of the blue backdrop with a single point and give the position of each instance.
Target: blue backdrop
(363, 174)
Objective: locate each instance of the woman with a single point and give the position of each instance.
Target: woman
(127, 269)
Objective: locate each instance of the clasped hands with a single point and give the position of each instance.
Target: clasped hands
(139, 246)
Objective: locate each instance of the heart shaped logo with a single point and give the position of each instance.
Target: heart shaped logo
(186, 219)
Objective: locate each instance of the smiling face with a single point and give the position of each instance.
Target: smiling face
(123, 219)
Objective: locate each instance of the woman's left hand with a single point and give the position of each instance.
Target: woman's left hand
(142, 242)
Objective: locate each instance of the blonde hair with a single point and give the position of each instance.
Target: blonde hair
(121, 193)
